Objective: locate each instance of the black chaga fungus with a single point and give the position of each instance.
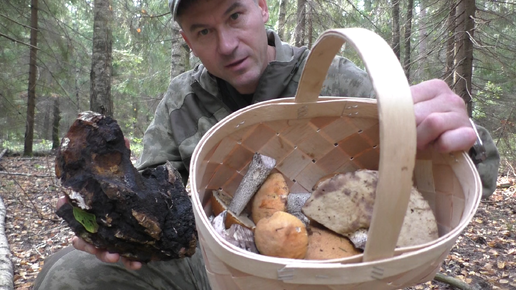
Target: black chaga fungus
(142, 216)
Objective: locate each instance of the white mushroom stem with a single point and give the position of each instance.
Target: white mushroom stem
(258, 171)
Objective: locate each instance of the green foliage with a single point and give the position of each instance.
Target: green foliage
(136, 146)
(490, 95)
(16, 147)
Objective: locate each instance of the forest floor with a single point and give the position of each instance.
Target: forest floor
(484, 255)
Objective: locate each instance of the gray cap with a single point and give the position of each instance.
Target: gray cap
(172, 5)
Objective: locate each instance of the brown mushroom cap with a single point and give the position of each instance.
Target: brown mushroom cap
(324, 244)
(281, 235)
(270, 198)
(344, 203)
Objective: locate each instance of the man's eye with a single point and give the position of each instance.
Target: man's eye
(204, 32)
(235, 16)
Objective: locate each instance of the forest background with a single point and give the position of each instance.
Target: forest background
(54, 64)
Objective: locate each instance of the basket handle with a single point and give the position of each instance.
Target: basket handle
(397, 127)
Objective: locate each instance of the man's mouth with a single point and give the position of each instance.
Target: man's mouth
(236, 63)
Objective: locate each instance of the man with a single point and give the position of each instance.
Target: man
(242, 63)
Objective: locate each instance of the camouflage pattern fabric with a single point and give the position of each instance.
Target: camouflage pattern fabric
(488, 169)
(71, 269)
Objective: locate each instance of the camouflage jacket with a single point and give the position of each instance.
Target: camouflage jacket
(193, 103)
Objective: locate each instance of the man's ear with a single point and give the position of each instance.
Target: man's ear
(265, 10)
(187, 41)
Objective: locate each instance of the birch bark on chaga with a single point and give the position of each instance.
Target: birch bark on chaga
(143, 217)
(6, 266)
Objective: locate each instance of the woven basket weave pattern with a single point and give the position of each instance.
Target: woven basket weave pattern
(304, 152)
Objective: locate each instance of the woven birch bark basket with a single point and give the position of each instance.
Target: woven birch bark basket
(311, 136)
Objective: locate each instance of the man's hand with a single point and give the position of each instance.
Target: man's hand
(441, 118)
(102, 255)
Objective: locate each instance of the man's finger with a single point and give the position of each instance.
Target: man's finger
(109, 257)
(460, 139)
(132, 265)
(429, 89)
(61, 201)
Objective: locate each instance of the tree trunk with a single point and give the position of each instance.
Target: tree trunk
(300, 27)
(55, 125)
(31, 94)
(6, 266)
(408, 33)
(177, 66)
(76, 67)
(464, 51)
(396, 28)
(46, 131)
(101, 60)
(309, 28)
(450, 45)
(281, 18)
(423, 40)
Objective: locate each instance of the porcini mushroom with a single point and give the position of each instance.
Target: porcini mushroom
(281, 235)
(344, 203)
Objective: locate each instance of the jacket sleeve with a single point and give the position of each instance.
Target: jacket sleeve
(345, 79)
(159, 145)
(488, 169)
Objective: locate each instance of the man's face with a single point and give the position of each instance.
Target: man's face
(229, 38)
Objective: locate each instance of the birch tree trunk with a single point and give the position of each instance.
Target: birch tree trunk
(31, 93)
(464, 51)
(101, 59)
(408, 33)
(6, 266)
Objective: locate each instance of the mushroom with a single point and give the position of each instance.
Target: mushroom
(220, 202)
(324, 244)
(281, 235)
(344, 203)
(270, 198)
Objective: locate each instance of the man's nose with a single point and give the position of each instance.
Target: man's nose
(228, 42)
